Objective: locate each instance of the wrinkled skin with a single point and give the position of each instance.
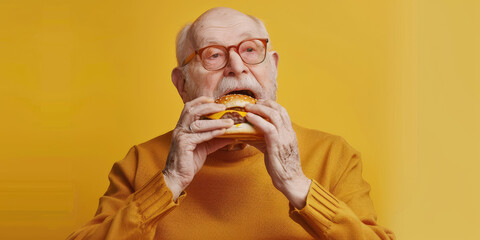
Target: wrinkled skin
(192, 140)
(280, 148)
(190, 147)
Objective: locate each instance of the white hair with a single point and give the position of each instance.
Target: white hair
(189, 86)
(183, 44)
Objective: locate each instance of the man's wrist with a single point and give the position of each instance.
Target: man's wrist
(297, 192)
(172, 184)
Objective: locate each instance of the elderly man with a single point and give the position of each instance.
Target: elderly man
(293, 184)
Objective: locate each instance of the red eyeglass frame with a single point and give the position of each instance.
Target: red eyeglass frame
(200, 51)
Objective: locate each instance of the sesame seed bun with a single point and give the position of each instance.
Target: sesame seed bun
(236, 100)
(239, 131)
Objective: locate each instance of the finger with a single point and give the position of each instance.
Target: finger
(209, 125)
(207, 108)
(198, 138)
(269, 130)
(191, 113)
(265, 112)
(217, 143)
(189, 106)
(200, 100)
(284, 116)
(270, 103)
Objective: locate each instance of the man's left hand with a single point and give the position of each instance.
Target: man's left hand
(280, 148)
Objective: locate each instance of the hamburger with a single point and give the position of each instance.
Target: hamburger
(242, 129)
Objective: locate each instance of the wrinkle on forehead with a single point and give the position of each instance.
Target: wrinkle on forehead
(224, 21)
(203, 38)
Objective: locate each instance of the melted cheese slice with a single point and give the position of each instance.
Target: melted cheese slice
(220, 114)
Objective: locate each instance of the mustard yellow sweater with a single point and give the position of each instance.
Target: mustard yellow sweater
(232, 197)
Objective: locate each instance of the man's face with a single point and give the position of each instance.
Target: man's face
(227, 30)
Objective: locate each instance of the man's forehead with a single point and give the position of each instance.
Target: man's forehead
(225, 39)
(225, 30)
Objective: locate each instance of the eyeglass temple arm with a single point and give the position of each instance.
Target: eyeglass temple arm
(188, 59)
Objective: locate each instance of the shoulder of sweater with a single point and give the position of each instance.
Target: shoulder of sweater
(141, 158)
(325, 157)
(159, 144)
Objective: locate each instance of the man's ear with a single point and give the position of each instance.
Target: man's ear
(275, 59)
(178, 79)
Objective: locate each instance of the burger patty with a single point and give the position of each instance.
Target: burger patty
(236, 117)
(237, 109)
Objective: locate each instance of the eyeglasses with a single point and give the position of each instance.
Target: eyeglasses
(215, 57)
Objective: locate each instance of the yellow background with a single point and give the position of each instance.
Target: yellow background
(82, 81)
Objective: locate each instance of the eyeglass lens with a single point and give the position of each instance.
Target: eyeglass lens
(216, 57)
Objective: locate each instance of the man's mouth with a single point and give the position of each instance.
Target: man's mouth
(242, 92)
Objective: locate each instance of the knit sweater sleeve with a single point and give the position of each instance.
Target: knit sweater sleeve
(127, 214)
(346, 212)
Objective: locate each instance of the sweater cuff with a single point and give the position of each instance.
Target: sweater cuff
(321, 207)
(155, 200)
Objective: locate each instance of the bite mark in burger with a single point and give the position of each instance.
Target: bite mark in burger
(235, 110)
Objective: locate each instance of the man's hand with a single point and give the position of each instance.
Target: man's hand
(192, 140)
(280, 148)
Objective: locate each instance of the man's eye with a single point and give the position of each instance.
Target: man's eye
(214, 56)
(250, 49)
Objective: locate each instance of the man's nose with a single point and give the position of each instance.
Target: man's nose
(235, 65)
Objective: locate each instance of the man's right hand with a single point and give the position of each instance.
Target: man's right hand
(192, 140)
